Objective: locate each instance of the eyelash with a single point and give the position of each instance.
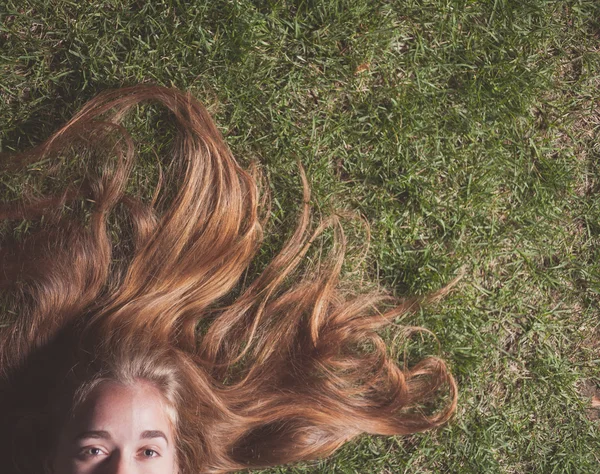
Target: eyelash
(154, 451)
(86, 452)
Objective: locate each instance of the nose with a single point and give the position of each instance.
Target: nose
(119, 464)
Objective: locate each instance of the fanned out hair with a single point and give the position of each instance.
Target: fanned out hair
(287, 370)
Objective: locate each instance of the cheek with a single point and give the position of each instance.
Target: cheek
(174, 462)
(58, 461)
(61, 464)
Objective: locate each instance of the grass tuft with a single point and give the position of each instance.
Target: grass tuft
(465, 132)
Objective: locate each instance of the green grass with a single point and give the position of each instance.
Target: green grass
(464, 131)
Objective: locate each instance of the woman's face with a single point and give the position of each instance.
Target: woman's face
(119, 429)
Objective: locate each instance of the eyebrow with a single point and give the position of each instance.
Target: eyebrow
(92, 434)
(149, 434)
(100, 434)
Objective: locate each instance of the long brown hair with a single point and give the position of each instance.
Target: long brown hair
(286, 368)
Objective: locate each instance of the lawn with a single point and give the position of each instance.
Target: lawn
(464, 131)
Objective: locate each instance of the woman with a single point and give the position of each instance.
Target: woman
(140, 350)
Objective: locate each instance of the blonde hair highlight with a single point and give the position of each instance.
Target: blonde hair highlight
(278, 374)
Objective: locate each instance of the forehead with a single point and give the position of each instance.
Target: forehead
(124, 410)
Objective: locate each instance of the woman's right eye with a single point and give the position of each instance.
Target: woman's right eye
(91, 452)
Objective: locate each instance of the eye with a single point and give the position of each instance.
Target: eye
(91, 452)
(150, 453)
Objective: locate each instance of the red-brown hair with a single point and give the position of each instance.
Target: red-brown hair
(287, 369)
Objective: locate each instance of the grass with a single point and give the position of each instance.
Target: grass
(464, 131)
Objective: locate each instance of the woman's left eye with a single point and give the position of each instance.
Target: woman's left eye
(150, 453)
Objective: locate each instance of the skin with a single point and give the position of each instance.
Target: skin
(132, 420)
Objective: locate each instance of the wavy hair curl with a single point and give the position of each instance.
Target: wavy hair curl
(287, 369)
